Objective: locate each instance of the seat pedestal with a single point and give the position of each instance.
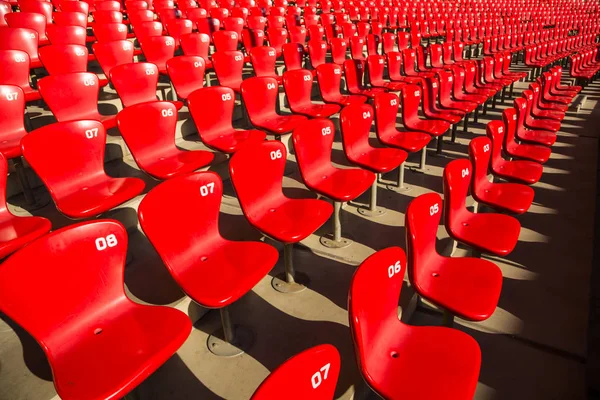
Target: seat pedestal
(372, 210)
(335, 240)
(290, 281)
(400, 187)
(237, 339)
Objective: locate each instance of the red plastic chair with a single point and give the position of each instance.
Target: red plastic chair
(260, 100)
(69, 18)
(94, 328)
(375, 68)
(355, 124)
(313, 141)
(29, 20)
(12, 106)
(147, 29)
(136, 83)
(66, 59)
(149, 129)
(177, 28)
(277, 38)
(392, 355)
(528, 134)
(75, 6)
(313, 374)
(21, 39)
(73, 97)
(339, 47)
(61, 35)
(212, 271)
(532, 152)
(112, 54)
(263, 60)
(253, 38)
(534, 122)
(329, 77)
(69, 158)
(196, 44)
(394, 61)
(110, 32)
(490, 232)
(228, 66)
(317, 52)
(225, 40)
(34, 6)
(521, 171)
(467, 287)
(298, 87)
(510, 197)
(158, 50)
(15, 71)
(186, 74)
(15, 232)
(269, 210)
(293, 56)
(354, 72)
(212, 111)
(410, 99)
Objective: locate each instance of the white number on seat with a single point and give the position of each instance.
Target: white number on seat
(20, 58)
(317, 378)
(417, 93)
(206, 189)
(12, 96)
(337, 71)
(326, 131)
(501, 129)
(276, 154)
(169, 42)
(79, 52)
(150, 71)
(91, 133)
(89, 82)
(121, 29)
(271, 53)
(307, 78)
(394, 269)
(167, 112)
(237, 58)
(270, 86)
(366, 114)
(486, 148)
(434, 209)
(126, 46)
(465, 172)
(109, 241)
(197, 64)
(393, 102)
(226, 97)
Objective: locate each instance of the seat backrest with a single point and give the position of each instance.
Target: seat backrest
(212, 111)
(64, 58)
(34, 6)
(195, 44)
(480, 151)
(20, 39)
(66, 18)
(263, 60)
(12, 108)
(71, 96)
(234, 24)
(135, 83)
(82, 275)
(509, 116)
(28, 20)
(422, 221)
(178, 27)
(457, 180)
(110, 32)
(277, 38)
(60, 35)
(373, 312)
(293, 56)
(148, 129)
(298, 87)
(339, 46)
(520, 105)
(200, 193)
(375, 68)
(225, 40)
(313, 141)
(355, 124)
(410, 97)
(253, 38)
(67, 156)
(403, 40)
(228, 66)
(15, 69)
(112, 54)
(147, 29)
(373, 44)
(260, 98)
(386, 110)
(357, 47)
(354, 72)
(107, 16)
(312, 374)
(329, 77)
(495, 131)
(158, 49)
(317, 52)
(266, 160)
(186, 74)
(297, 34)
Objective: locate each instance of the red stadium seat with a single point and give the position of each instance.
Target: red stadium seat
(253, 38)
(228, 66)
(522, 171)
(212, 111)
(375, 68)
(313, 374)
(110, 32)
(234, 24)
(15, 232)
(213, 271)
(313, 141)
(106, 15)
(147, 29)
(40, 7)
(29, 20)
(158, 50)
(268, 209)
(317, 52)
(263, 60)
(12, 103)
(528, 134)
(21, 39)
(149, 129)
(196, 44)
(339, 47)
(329, 77)
(410, 99)
(186, 74)
(392, 355)
(15, 71)
(293, 56)
(354, 71)
(277, 38)
(355, 124)
(260, 100)
(136, 83)
(509, 197)
(298, 87)
(76, 6)
(394, 60)
(94, 328)
(66, 59)
(176, 28)
(73, 97)
(225, 40)
(73, 171)
(69, 18)
(112, 54)
(467, 287)
(534, 122)
(61, 35)
(532, 152)
(489, 232)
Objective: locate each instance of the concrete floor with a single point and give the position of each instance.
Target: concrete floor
(533, 347)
